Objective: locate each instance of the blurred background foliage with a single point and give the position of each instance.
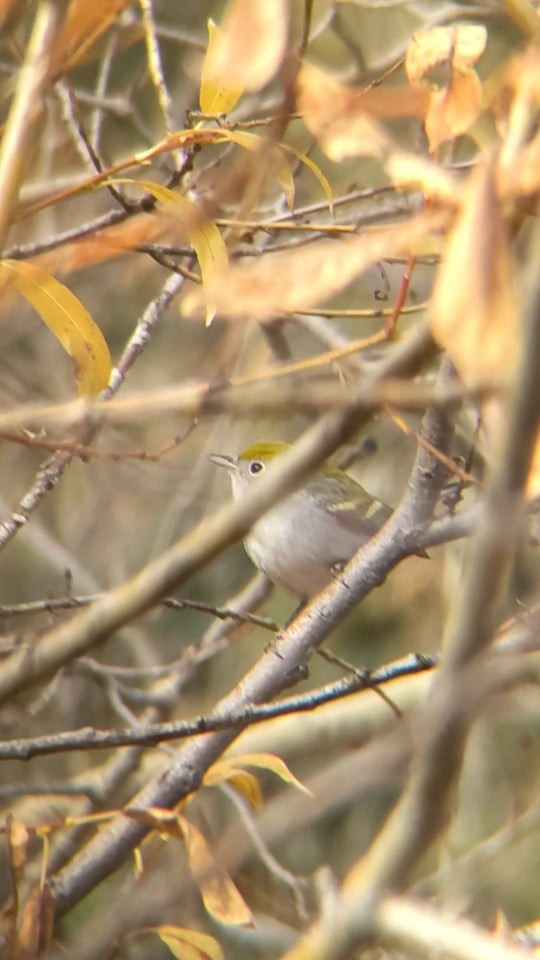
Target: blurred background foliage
(107, 517)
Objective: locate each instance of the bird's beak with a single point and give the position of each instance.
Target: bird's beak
(222, 460)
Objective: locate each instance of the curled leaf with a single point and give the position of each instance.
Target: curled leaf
(261, 761)
(244, 783)
(451, 48)
(440, 60)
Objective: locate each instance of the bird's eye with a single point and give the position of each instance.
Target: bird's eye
(256, 467)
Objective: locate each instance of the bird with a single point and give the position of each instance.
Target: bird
(303, 541)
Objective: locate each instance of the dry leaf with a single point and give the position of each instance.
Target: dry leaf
(274, 155)
(515, 107)
(345, 119)
(266, 761)
(454, 109)
(456, 47)
(187, 944)
(473, 308)
(302, 278)
(230, 770)
(250, 46)
(220, 895)
(34, 934)
(474, 313)
(11, 13)
(17, 836)
(336, 115)
(244, 783)
(440, 60)
(409, 170)
(85, 23)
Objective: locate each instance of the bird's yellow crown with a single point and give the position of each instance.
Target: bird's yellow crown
(264, 451)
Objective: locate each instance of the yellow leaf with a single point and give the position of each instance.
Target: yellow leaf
(18, 837)
(262, 761)
(220, 895)
(533, 480)
(216, 94)
(202, 232)
(273, 153)
(253, 142)
(251, 44)
(187, 944)
(138, 866)
(269, 761)
(68, 320)
(300, 279)
(244, 783)
(316, 171)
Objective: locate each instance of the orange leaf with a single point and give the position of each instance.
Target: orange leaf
(474, 313)
(473, 308)
(85, 23)
(434, 50)
(35, 928)
(345, 119)
(453, 110)
(337, 115)
(251, 44)
(68, 320)
(441, 59)
(409, 170)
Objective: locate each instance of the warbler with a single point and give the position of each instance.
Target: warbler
(304, 540)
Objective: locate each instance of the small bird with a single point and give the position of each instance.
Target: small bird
(310, 534)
